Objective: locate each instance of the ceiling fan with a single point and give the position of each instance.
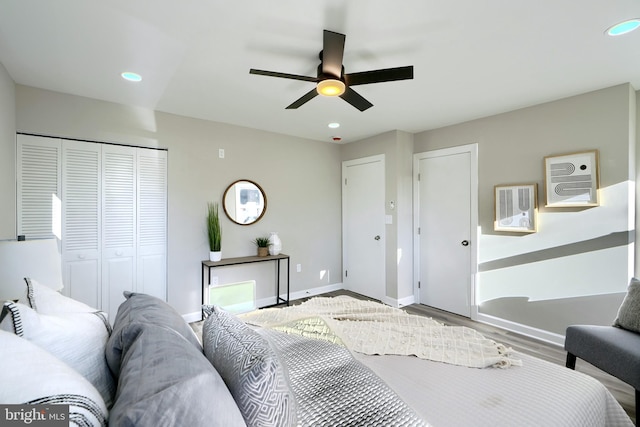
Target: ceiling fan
(331, 79)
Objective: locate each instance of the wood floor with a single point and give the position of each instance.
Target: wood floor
(623, 392)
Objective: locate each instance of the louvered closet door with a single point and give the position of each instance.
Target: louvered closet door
(152, 222)
(81, 221)
(118, 225)
(38, 186)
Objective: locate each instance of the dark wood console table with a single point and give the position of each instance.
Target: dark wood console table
(225, 262)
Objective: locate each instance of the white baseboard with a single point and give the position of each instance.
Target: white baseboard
(192, 317)
(197, 316)
(398, 303)
(549, 337)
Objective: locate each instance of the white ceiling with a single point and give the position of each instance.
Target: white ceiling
(471, 58)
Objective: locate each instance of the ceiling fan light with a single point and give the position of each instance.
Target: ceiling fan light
(330, 87)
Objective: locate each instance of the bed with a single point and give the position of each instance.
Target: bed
(458, 377)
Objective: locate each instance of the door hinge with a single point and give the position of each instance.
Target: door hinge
(418, 284)
(418, 177)
(345, 181)
(346, 273)
(418, 230)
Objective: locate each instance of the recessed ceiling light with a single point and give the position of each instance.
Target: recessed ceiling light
(132, 77)
(624, 27)
(334, 125)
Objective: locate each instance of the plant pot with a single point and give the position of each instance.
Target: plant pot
(263, 251)
(215, 256)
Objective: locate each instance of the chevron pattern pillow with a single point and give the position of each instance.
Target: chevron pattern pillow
(250, 368)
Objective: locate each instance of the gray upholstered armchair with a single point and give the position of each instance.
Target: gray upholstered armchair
(609, 348)
(613, 349)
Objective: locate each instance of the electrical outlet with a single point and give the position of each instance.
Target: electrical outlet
(221, 153)
(214, 281)
(298, 268)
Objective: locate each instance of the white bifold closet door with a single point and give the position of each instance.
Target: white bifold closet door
(81, 188)
(118, 224)
(151, 245)
(112, 207)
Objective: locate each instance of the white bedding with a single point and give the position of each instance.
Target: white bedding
(537, 394)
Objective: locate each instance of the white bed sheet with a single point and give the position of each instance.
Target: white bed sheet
(538, 393)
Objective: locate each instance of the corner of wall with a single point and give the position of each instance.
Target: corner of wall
(7, 155)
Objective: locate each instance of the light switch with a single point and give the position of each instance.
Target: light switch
(221, 153)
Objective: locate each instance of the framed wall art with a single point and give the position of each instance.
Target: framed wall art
(572, 180)
(516, 208)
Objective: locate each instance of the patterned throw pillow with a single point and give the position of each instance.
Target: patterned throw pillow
(31, 375)
(78, 339)
(629, 311)
(250, 368)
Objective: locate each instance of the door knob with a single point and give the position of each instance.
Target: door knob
(465, 243)
(377, 238)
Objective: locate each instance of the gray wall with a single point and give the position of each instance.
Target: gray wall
(300, 177)
(7, 156)
(577, 266)
(397, 148)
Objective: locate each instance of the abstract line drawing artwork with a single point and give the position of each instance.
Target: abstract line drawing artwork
(572, 179)
(516, 208)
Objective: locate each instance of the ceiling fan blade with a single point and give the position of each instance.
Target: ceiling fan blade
(303, 99)
(283, 75)
(332, 53)
(355, 99)
(378, 76)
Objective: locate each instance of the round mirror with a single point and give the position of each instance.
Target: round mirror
(244, 202)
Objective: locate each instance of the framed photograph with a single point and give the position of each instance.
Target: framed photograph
(516, 208)
(572, 180)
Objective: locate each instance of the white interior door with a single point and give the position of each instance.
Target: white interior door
(363, 226)
(445, 245)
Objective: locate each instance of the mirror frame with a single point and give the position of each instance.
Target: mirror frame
(262, 192)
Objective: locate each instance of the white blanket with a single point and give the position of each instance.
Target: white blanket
(371, 328)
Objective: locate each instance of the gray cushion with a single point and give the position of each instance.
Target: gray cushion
(614, 350)
(141, 309)
(250, 368)
(166, 381)
(629, 311)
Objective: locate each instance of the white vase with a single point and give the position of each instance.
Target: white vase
(215, 256)
(275, 245)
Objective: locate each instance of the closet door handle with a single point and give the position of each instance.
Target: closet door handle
(376, 238)
(465, 243)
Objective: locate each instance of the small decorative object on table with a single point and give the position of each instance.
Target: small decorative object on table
(214, 232)
(275, 244)
(263, 245)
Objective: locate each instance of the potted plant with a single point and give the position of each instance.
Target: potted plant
(214, 232)
(263, 244)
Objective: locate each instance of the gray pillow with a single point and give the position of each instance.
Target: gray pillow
(250, 368)
(166, 381)
(139, 309)
(629, 312)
